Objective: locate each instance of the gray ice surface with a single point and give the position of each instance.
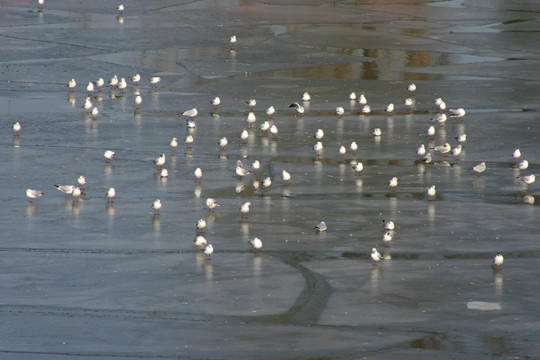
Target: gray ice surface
(92, 279)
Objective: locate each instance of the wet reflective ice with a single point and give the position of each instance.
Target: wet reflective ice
(100, 277)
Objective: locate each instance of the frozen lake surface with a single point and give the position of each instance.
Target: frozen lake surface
(94, 279)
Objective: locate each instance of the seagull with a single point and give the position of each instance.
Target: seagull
(362, 100)
(267, 182)
(522, 165)
(389, 224)
(94, 112)
(215, 102)
(318, 147)
(440, 118)
(90, 87)
(442, 106)
(255, 165)
(190, 124)
(352, 96)
(299, 108)
(198, 174)
(270, 111)
(71, 84)
(76, 194)
(376, 256)
(174, 143)
(232, 40)
(16, 128)
(121, 8)
(443, 149)
(223, 143)
(240, 170)
(457, 151)
(33, 194)
(411, 88)
(99, 83)
(528, 179)
(111, 193)
(377, 132)
(497, 261)
(408, 102)
(40, 3)
(516, 154)
(306, 96)
(191, 113)
(138, 101)
(320, 227)
(113, 81)
(88, 104)
(189, 140)
(342, 151)
(366, 109)
(421, 151)
(159, 161)
(458, 113)
(82, 182)
(201, 224)
(387, 237)
(431, 131)
(285, 177)
(122, 84)
(156, 205)
(211, 204)
(200, 242)
(256, 243)
(479, 168)
(461, 138)
(353, 146)
(265, 126)
(319, 134)
(390, 108)
(135, 78)
(164, 173)
(244, 210)
(426, 158)
(251, 103)
(251, 118)
(274, 131)
(340, 111)
(154, 80)
(244, 136)
(66, 189)
(358, 167)
(431, 191)
(208, 250)
(393, 183)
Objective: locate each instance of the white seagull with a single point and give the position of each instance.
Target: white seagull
(389, 224)
(377, 132)
(244, 210)
(319, 134)
(352, 96)
(270, 111)
(223, 143)
(201, 225)
(159, 161)
(215, 102)
(71, 84)
(251, 103)
(135, 78)
(256, 243)
(443, 149)
(479, 168)
(366, 109)
(390, 108)
(200, 242)
(458, 113)
(108, 154)
(211, 204)
(156, 205)
(375, 256)
(111, 193)
(318, 147)
(76, 194)
(421, 151)
(251, 118)
(198, 174)
(299, 108)
(393, 183)
(362, 100)
(66, 189)
(320, 227)
(33, 194)
(16, 128)
(285, 177)
(154, 80)
(431, 191)
(358, 167)
(340, 111)
(81, 180)
(208, 250)
(306, 96)
(387, 237)
(174, 143)
(516, 154)
(191, 113)
(497, 261)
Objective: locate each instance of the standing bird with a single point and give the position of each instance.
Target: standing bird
(66, 189)
(233, 40)
(497, 261)
(306, 96)
(299, 108)
(516, 154)
(122, 84)
(198, 174)
(174, 143)
(154, 80)
(340, 111)
(244, 210)
(479, 168)
(528, 179)
(443, 149)
(387, 237)
(461, 138)
(457, 113)
(352, 96)
(135, 79)
(320, 227)
(201, 225)
(138, 101)
(319, 134)
(164, 173)
(285, 177)
(362, 99)
(121, 9)
(411, 88)
(251, 103)
(200, 242)
(264, 127)
(108, 154)
(274, 131)
(366, 109)
(208, 250)
(375, 256)
(358, 167)
(393, 183)
(256, 243)
(251, 118)
(33, 194)
(421, 151)
(71, 84)
(377, 132)
(223, 143)
(211, 204)
(431, 131)
(76, 194)
(215, 102)
(81, 180)
(188, 141)
(522, 165)
(113, 82)
(431, 191)
(267, 182)
(389, 225)
(16, 128)
(159, 161)
(111, 193)
(342, 150)
(191, 113)
(156, 205)
(318, 147)
(457, 151)
(390, 108)
(270, 111)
